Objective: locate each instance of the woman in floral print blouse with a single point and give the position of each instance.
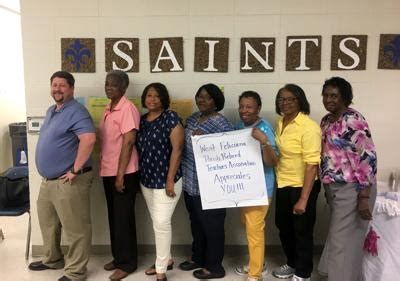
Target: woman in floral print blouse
(348, 172)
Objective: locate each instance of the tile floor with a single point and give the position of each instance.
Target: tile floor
(13, 266)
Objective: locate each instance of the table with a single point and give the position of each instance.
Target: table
(386, 223)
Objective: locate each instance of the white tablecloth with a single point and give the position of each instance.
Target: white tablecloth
(386, 223)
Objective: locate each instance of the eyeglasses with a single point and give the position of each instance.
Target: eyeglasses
(205, 98)
(288, 100)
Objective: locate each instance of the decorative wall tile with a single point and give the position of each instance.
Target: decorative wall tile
(349, 52)
(389, 51)
(122, 53)
(211, 54)
(78, 54)
(166, 54)
(257, 54)
(303, 53)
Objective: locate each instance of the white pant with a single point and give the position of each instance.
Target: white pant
(161, 207)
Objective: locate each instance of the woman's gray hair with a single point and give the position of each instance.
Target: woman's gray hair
(121, 77)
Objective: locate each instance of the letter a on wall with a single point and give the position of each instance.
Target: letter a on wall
(211, 54)
(166, 54)
(122, 54)
(78, 54)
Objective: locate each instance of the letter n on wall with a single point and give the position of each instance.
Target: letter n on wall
(122, 54)
(78, 54)
(349, 52)
(166, 54)
(211, 54)
(257, 54)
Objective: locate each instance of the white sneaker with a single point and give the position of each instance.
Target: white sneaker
(244, 269)
(297, 278)
(284, 272)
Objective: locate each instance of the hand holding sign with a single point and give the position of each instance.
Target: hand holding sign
(230, 170)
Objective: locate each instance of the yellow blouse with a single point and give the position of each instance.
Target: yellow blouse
(299, 144)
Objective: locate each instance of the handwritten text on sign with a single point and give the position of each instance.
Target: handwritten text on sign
(230, 170)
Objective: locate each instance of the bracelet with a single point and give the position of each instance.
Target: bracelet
(363, 196)
(267, 143)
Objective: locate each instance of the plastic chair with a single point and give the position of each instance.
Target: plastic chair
(14, 211)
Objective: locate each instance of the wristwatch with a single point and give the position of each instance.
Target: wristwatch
(73, 171)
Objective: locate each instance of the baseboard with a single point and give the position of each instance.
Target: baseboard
(177, 250)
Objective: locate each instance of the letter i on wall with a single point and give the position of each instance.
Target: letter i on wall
(211, 54)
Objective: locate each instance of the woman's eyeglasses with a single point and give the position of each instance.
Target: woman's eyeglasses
(287, 100)
(205, 98)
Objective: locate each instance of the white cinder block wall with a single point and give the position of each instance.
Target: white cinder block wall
(12, 95)
(44, 22)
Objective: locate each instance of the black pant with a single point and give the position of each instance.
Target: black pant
(208, 234)
(296, 231)
(121, 219)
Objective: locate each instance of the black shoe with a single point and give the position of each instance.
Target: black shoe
(38, 266)
(188, 265)
(152, 269)
(64, 278)
(200, 274)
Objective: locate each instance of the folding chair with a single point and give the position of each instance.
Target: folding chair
(14, 212)
(12, 205)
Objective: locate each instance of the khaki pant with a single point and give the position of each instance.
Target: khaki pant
(66, 207)
(254, 220)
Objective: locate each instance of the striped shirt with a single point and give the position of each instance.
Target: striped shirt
(215, 124)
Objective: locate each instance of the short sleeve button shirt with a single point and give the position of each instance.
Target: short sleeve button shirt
(123, 118)
(154, 146)
(299, 144)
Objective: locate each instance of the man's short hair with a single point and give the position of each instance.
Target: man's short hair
(64, 74)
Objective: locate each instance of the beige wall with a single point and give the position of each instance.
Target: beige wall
(12, 92)
(376, 91)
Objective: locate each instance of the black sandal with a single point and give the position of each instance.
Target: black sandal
(150, 271)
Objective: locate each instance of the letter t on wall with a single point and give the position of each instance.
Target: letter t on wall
(303, 53)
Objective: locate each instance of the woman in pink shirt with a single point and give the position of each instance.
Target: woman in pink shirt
(119, 170)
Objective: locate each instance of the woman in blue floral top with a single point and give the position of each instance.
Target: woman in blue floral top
(348, 172)
(207, 226)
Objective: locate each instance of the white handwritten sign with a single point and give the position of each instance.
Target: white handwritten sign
(230, 170)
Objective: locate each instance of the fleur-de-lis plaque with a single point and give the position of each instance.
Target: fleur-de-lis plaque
(78, 54)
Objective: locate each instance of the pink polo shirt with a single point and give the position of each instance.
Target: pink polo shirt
(124, 118)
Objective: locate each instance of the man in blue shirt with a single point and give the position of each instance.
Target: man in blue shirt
(63, 160)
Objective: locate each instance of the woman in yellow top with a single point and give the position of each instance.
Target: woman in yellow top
(299, 142)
